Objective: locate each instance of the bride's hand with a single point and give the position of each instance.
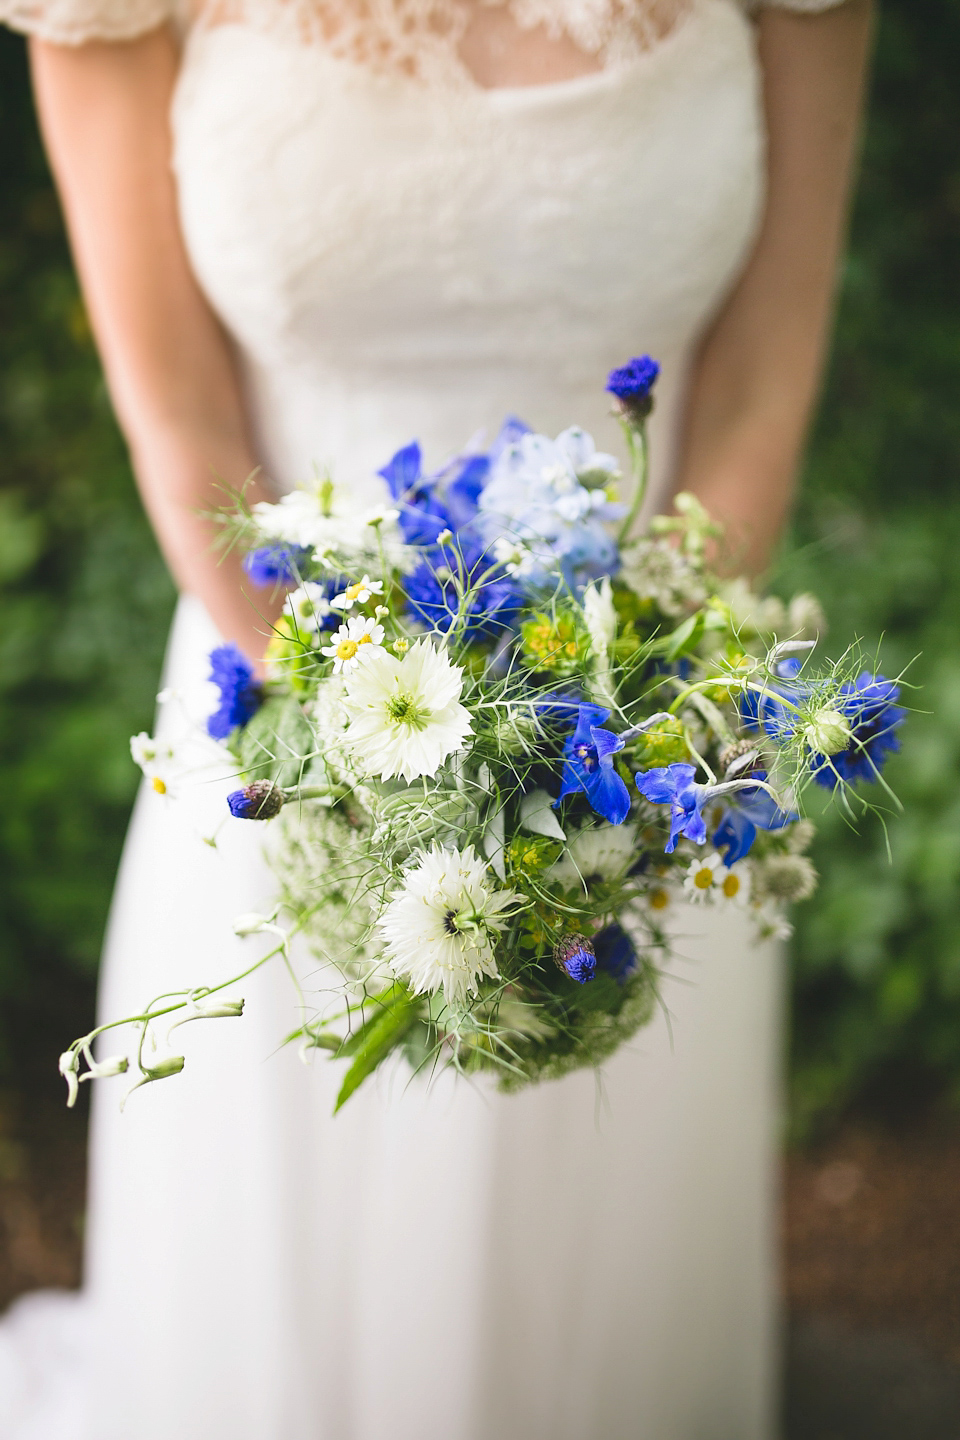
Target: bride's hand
(104, 110)
(759, 366)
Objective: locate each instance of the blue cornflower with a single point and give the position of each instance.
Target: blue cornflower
(240, 695)
(632, 384)
(260, 800)
(675, 786)
(575, 956)
(870, 708)
(589, 765)
(276, 564)
(752, 809)
(616, 952)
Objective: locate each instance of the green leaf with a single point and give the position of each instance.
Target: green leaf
(396, 1012)
(686, 636)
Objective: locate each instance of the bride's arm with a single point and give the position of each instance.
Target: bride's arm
(104, 111)
(759, 367)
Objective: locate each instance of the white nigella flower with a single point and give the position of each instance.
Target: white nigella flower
(602, 853)
(708, 879)
(440, 927)
(357, 594)
(347, 647)
(405, 713)
(307, 607)
(320, 517)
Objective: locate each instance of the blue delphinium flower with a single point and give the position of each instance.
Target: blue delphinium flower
(675, 786)
(433, 591)
(589, 767)
(240, 695)
(752, 809)
(276, 564)
(422, 513)
(632, 383)
(551, 497)
(616, 952)
(869, 706)
(575, 956)
(260, 800)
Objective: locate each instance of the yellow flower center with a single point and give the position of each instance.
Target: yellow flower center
(365, 640)
(731, 886)
(352, 592)
(703, 879)
(159, 785)
(347, 649)
(659, 900)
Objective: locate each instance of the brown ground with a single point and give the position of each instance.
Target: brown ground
(872, 1230)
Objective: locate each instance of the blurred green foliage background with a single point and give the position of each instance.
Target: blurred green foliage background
(85, 601)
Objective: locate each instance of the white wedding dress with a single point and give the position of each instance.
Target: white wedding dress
(399, 252)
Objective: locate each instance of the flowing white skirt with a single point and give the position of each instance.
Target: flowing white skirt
(592, 1259)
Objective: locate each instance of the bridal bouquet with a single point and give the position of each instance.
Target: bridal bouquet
(499, 742)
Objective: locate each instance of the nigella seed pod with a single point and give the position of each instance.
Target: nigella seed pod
(260, 800)
(575, 956)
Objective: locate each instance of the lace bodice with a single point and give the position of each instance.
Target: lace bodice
(421, 37)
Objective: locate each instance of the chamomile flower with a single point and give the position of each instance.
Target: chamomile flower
(405, 713)
(357, 594)
(346, 648)
(440, 927)
(155, 759)
(708, 879)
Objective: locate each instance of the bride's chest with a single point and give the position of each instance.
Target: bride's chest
(311, 186)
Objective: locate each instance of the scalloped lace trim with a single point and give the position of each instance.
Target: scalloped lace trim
(422, 38)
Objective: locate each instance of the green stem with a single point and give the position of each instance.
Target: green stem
(636, 438)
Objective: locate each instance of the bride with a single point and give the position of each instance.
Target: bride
(308, 230)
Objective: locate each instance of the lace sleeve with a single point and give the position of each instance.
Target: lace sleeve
(71, 22)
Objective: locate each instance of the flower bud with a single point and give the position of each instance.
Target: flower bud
(249, 924)
(632, 385)
(260, 800)
(69, 1064)
(163, 1068)
(574, 955)
(828, 732)
(101, 1069)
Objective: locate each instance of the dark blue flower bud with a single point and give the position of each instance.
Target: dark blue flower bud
(632, 385)
(575, 956)
(260, 800)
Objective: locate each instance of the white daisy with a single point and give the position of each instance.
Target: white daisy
(357, 594)
(441, 926)
(155, 760)
(346, 648)
(405, 713)
(708, 879)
